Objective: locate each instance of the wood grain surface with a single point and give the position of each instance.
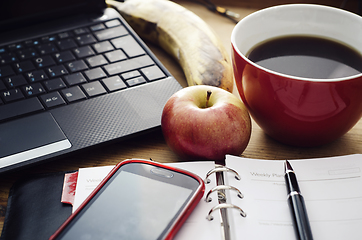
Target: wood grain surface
(153, 146)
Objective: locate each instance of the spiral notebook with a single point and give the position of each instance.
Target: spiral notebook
(248, 198)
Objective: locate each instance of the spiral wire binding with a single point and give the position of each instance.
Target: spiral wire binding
(220, 189)
(220, 168)
(223, 206)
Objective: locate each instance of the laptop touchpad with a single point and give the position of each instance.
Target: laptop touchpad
(31, 137)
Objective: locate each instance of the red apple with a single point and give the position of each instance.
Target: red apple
(205, 122)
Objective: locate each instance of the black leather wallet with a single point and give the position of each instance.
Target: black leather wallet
(34, 209)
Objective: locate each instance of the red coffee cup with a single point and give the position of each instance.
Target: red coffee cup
(296, 110)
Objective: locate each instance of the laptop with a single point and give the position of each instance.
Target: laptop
(73, 75)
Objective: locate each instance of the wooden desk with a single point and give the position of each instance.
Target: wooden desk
(153, 146)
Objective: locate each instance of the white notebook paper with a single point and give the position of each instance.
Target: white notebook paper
(332, 189)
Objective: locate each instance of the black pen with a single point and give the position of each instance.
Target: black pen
(297, 205)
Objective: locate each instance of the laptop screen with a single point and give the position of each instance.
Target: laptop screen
(20, 13)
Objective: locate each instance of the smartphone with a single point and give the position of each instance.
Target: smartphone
(139, 199)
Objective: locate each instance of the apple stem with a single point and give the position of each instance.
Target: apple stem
(208, 98)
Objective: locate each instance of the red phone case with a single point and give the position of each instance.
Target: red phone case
(178, 222)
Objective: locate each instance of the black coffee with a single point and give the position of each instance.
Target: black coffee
(308, 57)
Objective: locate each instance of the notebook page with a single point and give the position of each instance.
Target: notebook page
(197, 226)
(332, 189)
(88, 180)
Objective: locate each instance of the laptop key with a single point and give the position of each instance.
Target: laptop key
(27, 53)
(73, 94)
(54, 84)
(6, 58)
(93, 89)
(128, 65)
(95, 74)
(47, 48)
(15, 46)
(76, 66)
(82, 52)
(98, 27)
(79, 31)
(56, 71)
(15, 81)
(96, 61)
(136, 81)
(113, 23)
(74, 79)
(24, 66)
(129, 75)
(153, 73)
(36, 76)
(114, 83)
(86, 39)
(12, 95)
(19, 108)
(6, 71)
(44, 61)
(129, 45)
(52, 99)
(47, 39)
(31, 42)
(33, 89)
(115, 56)
(64, 57)
(66, 44)
(64, 35)
(2, 86)
(103, 47)
(110, 33)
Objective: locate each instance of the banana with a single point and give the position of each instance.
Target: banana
(182, 34)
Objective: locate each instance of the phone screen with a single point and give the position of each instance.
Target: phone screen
(135, 203)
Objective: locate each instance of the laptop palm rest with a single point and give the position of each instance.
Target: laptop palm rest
(31, 137)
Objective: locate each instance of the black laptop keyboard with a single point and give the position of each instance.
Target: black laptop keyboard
(71, 66)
